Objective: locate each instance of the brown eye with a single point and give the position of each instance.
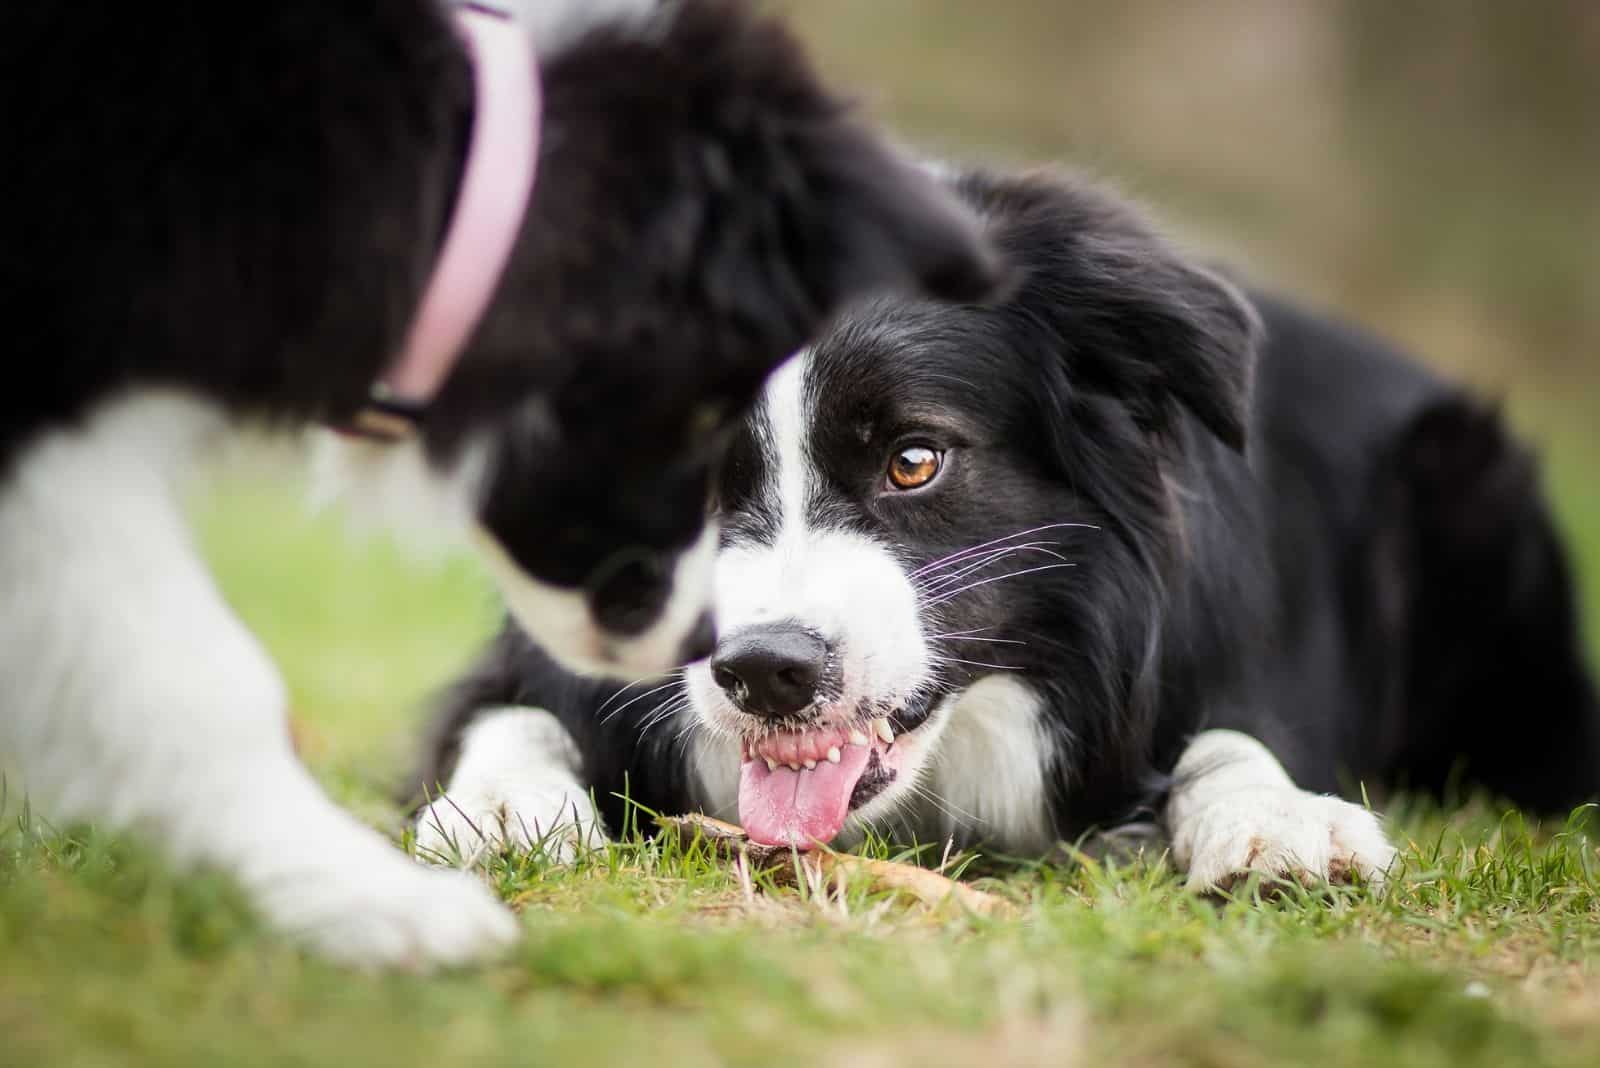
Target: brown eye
(914, 467)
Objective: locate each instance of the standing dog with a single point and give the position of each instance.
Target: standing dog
(220, 215)
(1127, 542)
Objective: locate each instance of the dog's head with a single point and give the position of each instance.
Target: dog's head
(703, 206)
(938, 513)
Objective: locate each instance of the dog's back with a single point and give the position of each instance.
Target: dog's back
(196, 181)
(1426, 607)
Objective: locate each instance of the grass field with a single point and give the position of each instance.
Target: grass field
(1484, 952)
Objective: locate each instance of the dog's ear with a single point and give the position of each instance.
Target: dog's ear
(1199, 335)
(1133, 316)
(835, 211)
(865, 218)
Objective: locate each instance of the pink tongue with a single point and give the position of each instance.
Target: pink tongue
(799, 808)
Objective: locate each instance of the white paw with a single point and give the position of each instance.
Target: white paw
(458, 828)
(514, 785)
(369, 905)
(1283, 832)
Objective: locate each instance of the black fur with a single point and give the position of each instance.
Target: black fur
(1298, 532)
(244, 202)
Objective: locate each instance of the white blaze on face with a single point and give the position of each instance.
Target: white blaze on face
(847, 587)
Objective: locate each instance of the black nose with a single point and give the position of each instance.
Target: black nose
(770, 670)
(701, 642)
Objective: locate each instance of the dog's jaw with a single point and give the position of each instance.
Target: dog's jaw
(845, 770)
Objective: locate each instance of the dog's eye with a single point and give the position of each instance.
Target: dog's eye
(914, 467)
(709, 419)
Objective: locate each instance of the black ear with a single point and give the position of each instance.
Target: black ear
(808, 200)
(867, 219)
(1133, 317)
(1202, 335)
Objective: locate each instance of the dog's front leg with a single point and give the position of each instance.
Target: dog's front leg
(1234, 810)
(134, 697)
(515, 782)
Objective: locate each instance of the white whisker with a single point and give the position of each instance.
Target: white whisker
(664, 713)
(996, 641)
(635, 700)
(628, 686)
(944, 560)
(994, 556)
(949, 808)
(996, 578)
(975, 663)
(957, 568)
(692, 724)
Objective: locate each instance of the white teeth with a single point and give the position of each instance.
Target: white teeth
(857, 736)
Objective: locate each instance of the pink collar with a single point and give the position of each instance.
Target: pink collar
(496, 182)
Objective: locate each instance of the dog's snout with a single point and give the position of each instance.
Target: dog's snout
(627, 596)
(702, 640)
(772, 670)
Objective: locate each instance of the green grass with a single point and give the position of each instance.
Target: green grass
(1484, 952)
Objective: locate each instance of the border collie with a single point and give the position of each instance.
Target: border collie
(1131, 543)
(221, 215)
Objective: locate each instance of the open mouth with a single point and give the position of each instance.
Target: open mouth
(797, 788)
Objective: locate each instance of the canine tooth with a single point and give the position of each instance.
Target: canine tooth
(772, 765)
(833, 754)
(881, 726)
(811, 765)
(793, 766)
(856, 737)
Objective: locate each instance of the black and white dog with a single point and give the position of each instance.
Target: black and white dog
(1129, 541)
(220, 214)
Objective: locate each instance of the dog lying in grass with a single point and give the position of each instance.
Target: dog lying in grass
(549, 294)
(1131, 543)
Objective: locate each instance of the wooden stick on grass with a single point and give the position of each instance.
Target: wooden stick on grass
(928, 887)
